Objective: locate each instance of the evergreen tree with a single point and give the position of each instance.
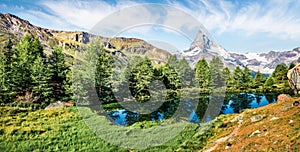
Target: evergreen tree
(246, 78)
(186, 73)
(280, 73)
(103, 76)
(237, 76)
(2, 76)
(203, 74)
(259, 80)
(40, 77)
(173, 61)
(170, 77)
(229, 79)
(216, 71)
(292, 65)
(58, 73)
(21, 66)
(269, 84)
(142, 74)
(8, 51)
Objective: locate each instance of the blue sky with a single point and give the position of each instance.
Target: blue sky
(237, 25)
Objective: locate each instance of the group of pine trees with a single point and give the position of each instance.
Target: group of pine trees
(28, 75)
(243, 80)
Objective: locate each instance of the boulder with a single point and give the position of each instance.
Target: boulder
(257, 118)
(58, 104)
(255, 133)
(293, 76)
(283, 97)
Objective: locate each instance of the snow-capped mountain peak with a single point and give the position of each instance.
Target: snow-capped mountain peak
(204, 47)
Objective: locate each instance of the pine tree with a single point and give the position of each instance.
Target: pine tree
(217, 77)
(269, 84)
(259, 80)
(280, 73)
(103, 76)
(2, 76)
(8, 52)
(203, 74)
(22, 60)
(173, 61)
(229, 79)
(58, 73)
(171, 80)
(292, 65)
(40, 77)
(246, 78)
(170, 77)
(21, 66)
(142, 74)
(186, 73)
(237, 76)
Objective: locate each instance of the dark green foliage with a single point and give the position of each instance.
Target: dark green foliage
(186, 74)
(280, 73)
(217, 77)
(246, 78)
(58, 73)
(238, 77)
(171, 80)
(40, 78)
(203, 76)
(23, 59)
(258, 81)
(170, 77)
(229, 79)
(3, 76)
(103, 76)
(141, 75)
(28, 77)
(184, 71)
(269, 84)
(292, 65)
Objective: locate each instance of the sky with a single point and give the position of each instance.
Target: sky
(237, 25)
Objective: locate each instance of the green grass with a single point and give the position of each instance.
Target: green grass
(64, 130)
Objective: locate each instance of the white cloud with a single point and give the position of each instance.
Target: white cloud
(276, 17)
(46, 20)
(84, 14)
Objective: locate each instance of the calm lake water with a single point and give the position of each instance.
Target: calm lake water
(195, 110)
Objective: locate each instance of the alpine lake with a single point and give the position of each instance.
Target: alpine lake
(195, 110)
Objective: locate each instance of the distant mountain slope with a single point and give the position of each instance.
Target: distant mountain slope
(267, 62)
(204, 47)
(13, 27)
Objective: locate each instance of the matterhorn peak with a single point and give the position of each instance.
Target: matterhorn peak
(202, 41)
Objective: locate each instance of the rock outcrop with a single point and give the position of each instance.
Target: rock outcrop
(283, 97)
(58, 104)
(294, 78)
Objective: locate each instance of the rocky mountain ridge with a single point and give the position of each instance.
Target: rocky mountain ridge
(13, 27)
